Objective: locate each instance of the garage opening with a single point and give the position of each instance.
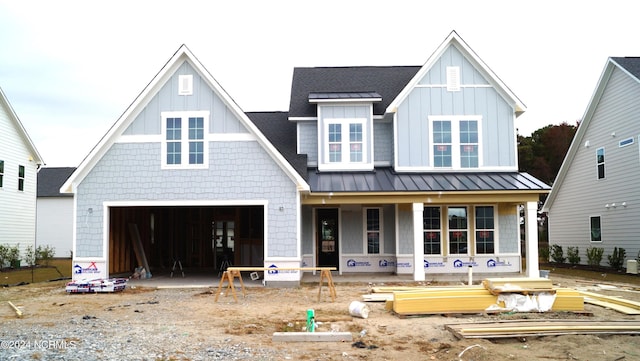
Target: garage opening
(204, 238)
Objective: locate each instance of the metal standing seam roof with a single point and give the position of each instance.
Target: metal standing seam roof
(386, 180)
(344, 96)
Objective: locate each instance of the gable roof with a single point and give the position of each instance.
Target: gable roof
(181, 55)
(283, 135)
(4, 102)
(628, 65)
(51, 179)
(455, 40)
(386, 81)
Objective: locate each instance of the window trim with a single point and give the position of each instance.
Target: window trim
(22, 175)
(184, 139)
(467, 230)
(380, 231)
(455, 140)
(599, 217)
(476, 229)
(603, 164)
(345, 162)
(439, 231)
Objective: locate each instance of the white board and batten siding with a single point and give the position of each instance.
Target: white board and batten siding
(582, 195)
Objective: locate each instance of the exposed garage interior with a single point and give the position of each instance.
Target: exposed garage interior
(200, 237)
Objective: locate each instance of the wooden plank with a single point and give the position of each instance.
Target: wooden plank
(619, 308)
(16, 309)
(312, 337)
(523, 328)
(258, 269)
(390, 289)
(443, 304)
(138, 248)
(519, 285)
(610, 299)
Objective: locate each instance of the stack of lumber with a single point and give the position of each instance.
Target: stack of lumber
(614, 303)
(472, 299)
(527, 328)
(519, 285)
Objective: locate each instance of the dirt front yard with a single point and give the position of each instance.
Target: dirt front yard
(186, 324)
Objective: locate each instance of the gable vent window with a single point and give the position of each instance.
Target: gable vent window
(453, 78)
(185, 84)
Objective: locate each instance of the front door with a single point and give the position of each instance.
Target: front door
(327, 237)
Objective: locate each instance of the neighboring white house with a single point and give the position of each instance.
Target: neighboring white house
(54, 224)
(595, 200)
(19, 164)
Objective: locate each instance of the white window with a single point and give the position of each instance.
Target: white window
(456, 141)
(183, 139)
(345, 145)
(458, 223)
(373, 231)
(600, 162)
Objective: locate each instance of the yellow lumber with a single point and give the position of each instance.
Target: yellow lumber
(502, 285)
(443, 304)
(619, 308)
(386, 289)
(439, 292)
(18, 311)
(568, 303)
(610, 299)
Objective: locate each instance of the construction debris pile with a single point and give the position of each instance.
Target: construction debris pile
(493, 295)
(97, 285)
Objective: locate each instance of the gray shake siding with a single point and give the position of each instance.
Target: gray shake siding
(432, 98)
(583, 195)
(508, 233)
(237, 171)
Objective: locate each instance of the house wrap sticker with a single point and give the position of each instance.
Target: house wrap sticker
(92, 268)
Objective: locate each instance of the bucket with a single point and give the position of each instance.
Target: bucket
(359, 309)
(544, 273)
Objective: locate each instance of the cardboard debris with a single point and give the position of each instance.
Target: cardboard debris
(97, 285)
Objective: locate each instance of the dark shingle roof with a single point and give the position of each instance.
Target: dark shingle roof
(282, 134)
(386, 81)
(631, 64)
(51, 179)
(386, 180)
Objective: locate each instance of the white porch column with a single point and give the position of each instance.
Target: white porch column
(418, 247)
(531, 239)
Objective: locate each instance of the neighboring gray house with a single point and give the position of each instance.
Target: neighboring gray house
(595, 200)
(373, 169)
(54, 211)
(19, 163)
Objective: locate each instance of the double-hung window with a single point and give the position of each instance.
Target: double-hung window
(345, 143)
(485, 229)
(431, 225)
(1, 173)
(374, 230)
(21, 178)
(600, 162)
(458, 230)
(456, 141)
(183, 137)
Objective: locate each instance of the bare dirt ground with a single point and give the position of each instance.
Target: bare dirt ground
(182, 314)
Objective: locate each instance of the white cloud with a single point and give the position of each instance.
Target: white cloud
(70, 68)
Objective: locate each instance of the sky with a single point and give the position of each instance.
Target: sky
(71, 68)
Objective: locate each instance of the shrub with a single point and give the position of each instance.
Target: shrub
(616, 259)
(557, 254)
(594, 256)
(544, 253)
(30, 256)
(4, 255)
(14, 256)
(573, 255)
(44, 254)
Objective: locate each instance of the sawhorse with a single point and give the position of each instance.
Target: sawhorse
(178, 263)
(232, 272)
